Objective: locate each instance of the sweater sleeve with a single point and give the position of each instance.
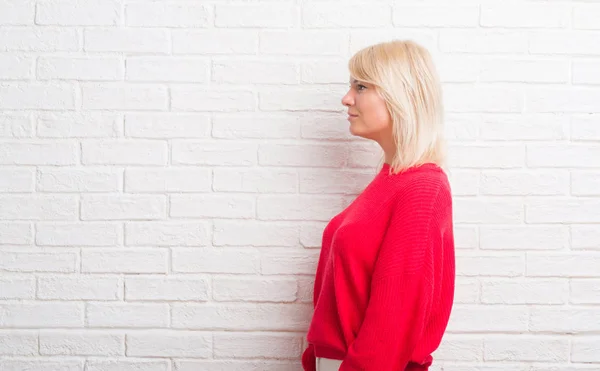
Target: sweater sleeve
(401, 287)
(309, 360)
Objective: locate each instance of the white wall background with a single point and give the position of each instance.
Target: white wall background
(167, 168)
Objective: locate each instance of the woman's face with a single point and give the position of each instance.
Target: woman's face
(367, 112)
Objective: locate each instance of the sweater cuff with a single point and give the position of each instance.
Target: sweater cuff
(309, 361)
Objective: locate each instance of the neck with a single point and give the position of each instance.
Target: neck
(389, 150)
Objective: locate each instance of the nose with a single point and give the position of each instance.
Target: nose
(348, 99)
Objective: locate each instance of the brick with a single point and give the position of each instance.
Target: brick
(305, 289)
(586, 73)
(221, 261)
(488, 42)
(41, 315)
(126, 207)
(40, 39)
(126, 40)
(324, 71)
(564, 42)
(78, 234)
(263, 317)
(524, 127)
(14, 67)
(341, 182)
(78, 180)
(17, 12)
(38, 153)
(490, 265)
(261, 15)
(460, 348)
(220, 41)
(585, 236)
(585, 350)
(489, 319)
(254, 233)
(84, 69)
(537, 291)
(324, 125)
(82, 344)
(526, 348)
(29, 207)
(255, 180)
(585, 128)
(362, 38)
(585, 183)
(167, 125)
(465, 182)
(489, 210)
(317, 208)
(299, 99)
(17, 180)
(580, 100)
(562, 155)
(311, 234)
(167, 234)
(16, 126)
(166, 288)
(151, 14)
(303, 42)
(459, 68)
(463, 126)
(16, 287)
(124, 152)
(503, 156)
(436, 16)
(563, 211)
(520, 182)
(272, 125)
(254, 289)
(42, 96)
(213, 153)
(242, 71)
(330, 15)
(467, 291)
(79, 288)
(466, 237)
(127, 315)
(42, 365)
(72, 13)
(167, 180)
(243, 345)
(242, 365)
(211, 206)
(126, 365)
(526, 71)
(574, 264)
(118, 96)
(585, 291)
(139, 260)
(362, 155)
(529, 237)
(169, 344)
(564, 320)
(525, 15)
(585, 16)
(166, 69)
(186, 98)
(78, 125)
(469, 99)
(289, 262)
(35, 261)
(304, 155)
(18, 343)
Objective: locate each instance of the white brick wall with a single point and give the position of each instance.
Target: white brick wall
(167, 169)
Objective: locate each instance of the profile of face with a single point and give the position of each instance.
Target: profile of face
(367, 111)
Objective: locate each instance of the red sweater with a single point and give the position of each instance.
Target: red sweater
(384, 284)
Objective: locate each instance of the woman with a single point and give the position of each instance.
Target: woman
(384, 284)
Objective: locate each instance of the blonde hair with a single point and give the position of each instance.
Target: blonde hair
(405, 76)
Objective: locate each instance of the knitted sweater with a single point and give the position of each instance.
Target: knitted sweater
(384, 285)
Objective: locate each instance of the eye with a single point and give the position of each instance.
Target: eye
(360, 87)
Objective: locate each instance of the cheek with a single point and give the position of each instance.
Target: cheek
(376, 113)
